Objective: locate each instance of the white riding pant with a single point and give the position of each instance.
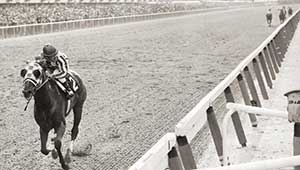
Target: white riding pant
(60, 79)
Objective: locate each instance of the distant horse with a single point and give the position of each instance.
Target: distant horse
(269, 18)
(282, 15)
(51, 107)
(290, 11)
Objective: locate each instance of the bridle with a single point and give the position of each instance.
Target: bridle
(35, 90)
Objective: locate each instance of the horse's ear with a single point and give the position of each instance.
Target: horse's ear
(23, 72)
(36, 73)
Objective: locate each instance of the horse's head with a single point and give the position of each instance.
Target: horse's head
(32, 75)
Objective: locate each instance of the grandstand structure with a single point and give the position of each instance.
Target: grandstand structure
(127, 1)
(73, 1)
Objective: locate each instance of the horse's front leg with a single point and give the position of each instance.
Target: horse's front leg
(57, 143)
(44, 138)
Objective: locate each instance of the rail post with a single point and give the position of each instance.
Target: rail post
(67, 28)
(174, 160)
(278, 46)
(265, 69)
(14, 31)
(246, 98)
(260, 80)
(2, 36)
(277, 58)
(251, 86)
(291, 33)
(236, 119)
(277, 49)
(51, 27)
(280, 43)
(215, 132)
(185, 152)
(274, 54)
(271, 54)
(284, 40)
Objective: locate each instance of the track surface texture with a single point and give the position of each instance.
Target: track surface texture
(142, 78)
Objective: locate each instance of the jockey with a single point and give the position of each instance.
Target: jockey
(57, 62)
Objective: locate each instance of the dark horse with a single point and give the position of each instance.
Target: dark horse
(282, 15)
(269, 18)
(51, 107)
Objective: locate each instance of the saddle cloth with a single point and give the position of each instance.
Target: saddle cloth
(72, 81)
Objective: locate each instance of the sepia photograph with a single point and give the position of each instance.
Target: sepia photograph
(149, 85)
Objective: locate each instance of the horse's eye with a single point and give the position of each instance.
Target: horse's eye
(23, 72)
(36, 73)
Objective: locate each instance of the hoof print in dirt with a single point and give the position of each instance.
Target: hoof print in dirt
(125, 121)
(114, 136)
(114, 133)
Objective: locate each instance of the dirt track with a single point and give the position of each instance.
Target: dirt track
(142, 78)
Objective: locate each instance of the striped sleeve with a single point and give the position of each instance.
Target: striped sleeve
(63, 67)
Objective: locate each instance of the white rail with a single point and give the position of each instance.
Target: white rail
(258, 165)
(157, 157)
(256, 110)
(187, 128)
(246, 109)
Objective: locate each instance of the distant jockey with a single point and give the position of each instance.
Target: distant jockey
(57, 66)
(269, 17)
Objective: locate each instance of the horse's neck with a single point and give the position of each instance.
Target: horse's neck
(42, 97)
(47, 95)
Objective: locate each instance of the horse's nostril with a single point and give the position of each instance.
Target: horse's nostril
(26, 93)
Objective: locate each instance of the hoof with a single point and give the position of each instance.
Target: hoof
(65, 167)
(68, 156)
(54, 154)
(45, 152)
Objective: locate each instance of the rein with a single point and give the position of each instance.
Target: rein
(35, 90)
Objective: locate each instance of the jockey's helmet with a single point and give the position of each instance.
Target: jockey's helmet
(49, 52)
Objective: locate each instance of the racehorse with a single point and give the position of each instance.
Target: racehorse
(282, 15)
(51, 107)
(290, 11)
(269, 17)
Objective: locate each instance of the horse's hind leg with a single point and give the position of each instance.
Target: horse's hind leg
(77, 118)
(57, 143)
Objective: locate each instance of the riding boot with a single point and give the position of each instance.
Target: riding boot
(69, 91)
